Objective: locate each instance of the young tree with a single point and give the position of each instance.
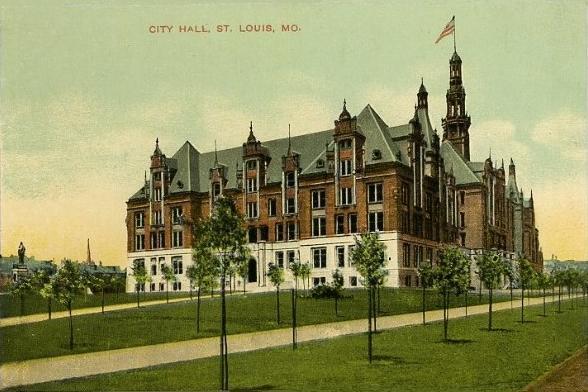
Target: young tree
(141, 277)
(451, 275)
(425, 272)
(225, 236)
(305, 272)
(66, 284)
(337, 286)
(243, 272)
(558, 279)
(276, 276)
(117, 282)
(41, 283)
(509, 272)
(168, 276)
(543, 282)
(490, 270)
(202, 272)
(296, 269)
(20, 288)
(368, 258)
(526, 274)
(101, 282)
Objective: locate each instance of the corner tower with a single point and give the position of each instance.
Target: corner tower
(456, 124)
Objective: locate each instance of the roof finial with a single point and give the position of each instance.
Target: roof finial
(502, 163)
(157, 150)
(344, 104)
(251, 138)
(289, 141)
(215, 155)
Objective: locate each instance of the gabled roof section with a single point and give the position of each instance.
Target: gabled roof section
(375, 129)
(427, 128)
(477, 168)
(186, 165)
(462, 172)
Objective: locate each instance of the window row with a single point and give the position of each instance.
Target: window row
(158, 240)
(420, 254)
(177, 217)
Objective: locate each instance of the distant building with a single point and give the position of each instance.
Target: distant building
(11, 269)
(306, 197)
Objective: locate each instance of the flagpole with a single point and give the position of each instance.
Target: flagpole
(454, 47)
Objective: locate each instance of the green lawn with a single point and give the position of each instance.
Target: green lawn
(406, 359)
(10, 305)
(176, 322)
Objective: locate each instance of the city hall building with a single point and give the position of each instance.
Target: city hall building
(305, 198)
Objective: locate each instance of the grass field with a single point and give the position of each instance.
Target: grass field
(176, 322)
(406, 359)
(10, 305)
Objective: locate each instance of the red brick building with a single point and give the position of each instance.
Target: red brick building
(305, 197)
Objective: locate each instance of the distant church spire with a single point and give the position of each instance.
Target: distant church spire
(89, 255)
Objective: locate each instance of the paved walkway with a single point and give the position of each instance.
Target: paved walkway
(35, 318)
(81, 365)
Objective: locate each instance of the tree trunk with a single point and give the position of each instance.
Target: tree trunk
(374, 313)
(71, 331)
(278, 304)
(466, 303)
(370, 324)
(544, 314)
(480, 293)
(490, 309)
(294, 299)
(138, 305)
(510, 284)
(244, 285)
(191, 296)
(198, 311)
(102, 300)
(21, 305)
(49, 307)
(167, 291)
(522, 303)
(424, 305)
(223, 341)
(558, 299)
(445, 313)
(379, 311)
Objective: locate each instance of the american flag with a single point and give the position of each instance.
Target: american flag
(449, 28)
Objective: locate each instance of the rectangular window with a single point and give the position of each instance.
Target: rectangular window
(428, 202)
(291, 227)
(345, 144)
(153, 266)
(318, 199)
(140, 242)
(375, 193)
(252, 210)
(405, 193)
(177, 265)
(153, 240)
(429, 258)
(406, 255)
(139, 219)
(280, 259)
(345, 166)
(138, 263)
(290, 205)
(251, 184)
(152, 287)
(345, 196)
(279, 232)
(263, 233)
(376, 221)
(290, 180)
(161, 287)
(319, 257)
(177, 239)
(161, 239)
(157, 176)
(271, 207)
(462, 197)
(157, 219)
(408, 280)
(216, 190)
(340, 256)
(319, 226)
(352, 223)
(353, 281)
(291, 257)
(339, 224)
(418, 252)
(462, 219)
(405, 222)
(251, 165)
(157, 194)
(320, 280)
(177, 217)
(349, 255)
(252, 234)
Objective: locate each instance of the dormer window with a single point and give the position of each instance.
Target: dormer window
(251, 185)
(157, 194)
(251, 165)
(216, 190)
(345, 167)
(376, 155)
(320, 164)
(157, 176)
(290, 179)
(345, 144)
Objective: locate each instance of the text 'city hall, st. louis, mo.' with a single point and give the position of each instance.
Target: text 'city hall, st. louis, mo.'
(305, 198)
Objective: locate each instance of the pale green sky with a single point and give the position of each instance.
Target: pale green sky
(85, 90)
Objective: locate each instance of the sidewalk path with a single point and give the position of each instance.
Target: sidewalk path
(80, 365)
(34, 318)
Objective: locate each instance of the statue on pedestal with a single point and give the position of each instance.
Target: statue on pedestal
(21, 253)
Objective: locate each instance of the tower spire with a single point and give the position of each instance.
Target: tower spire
(89, 255)
(215, 155)
(289, 141)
